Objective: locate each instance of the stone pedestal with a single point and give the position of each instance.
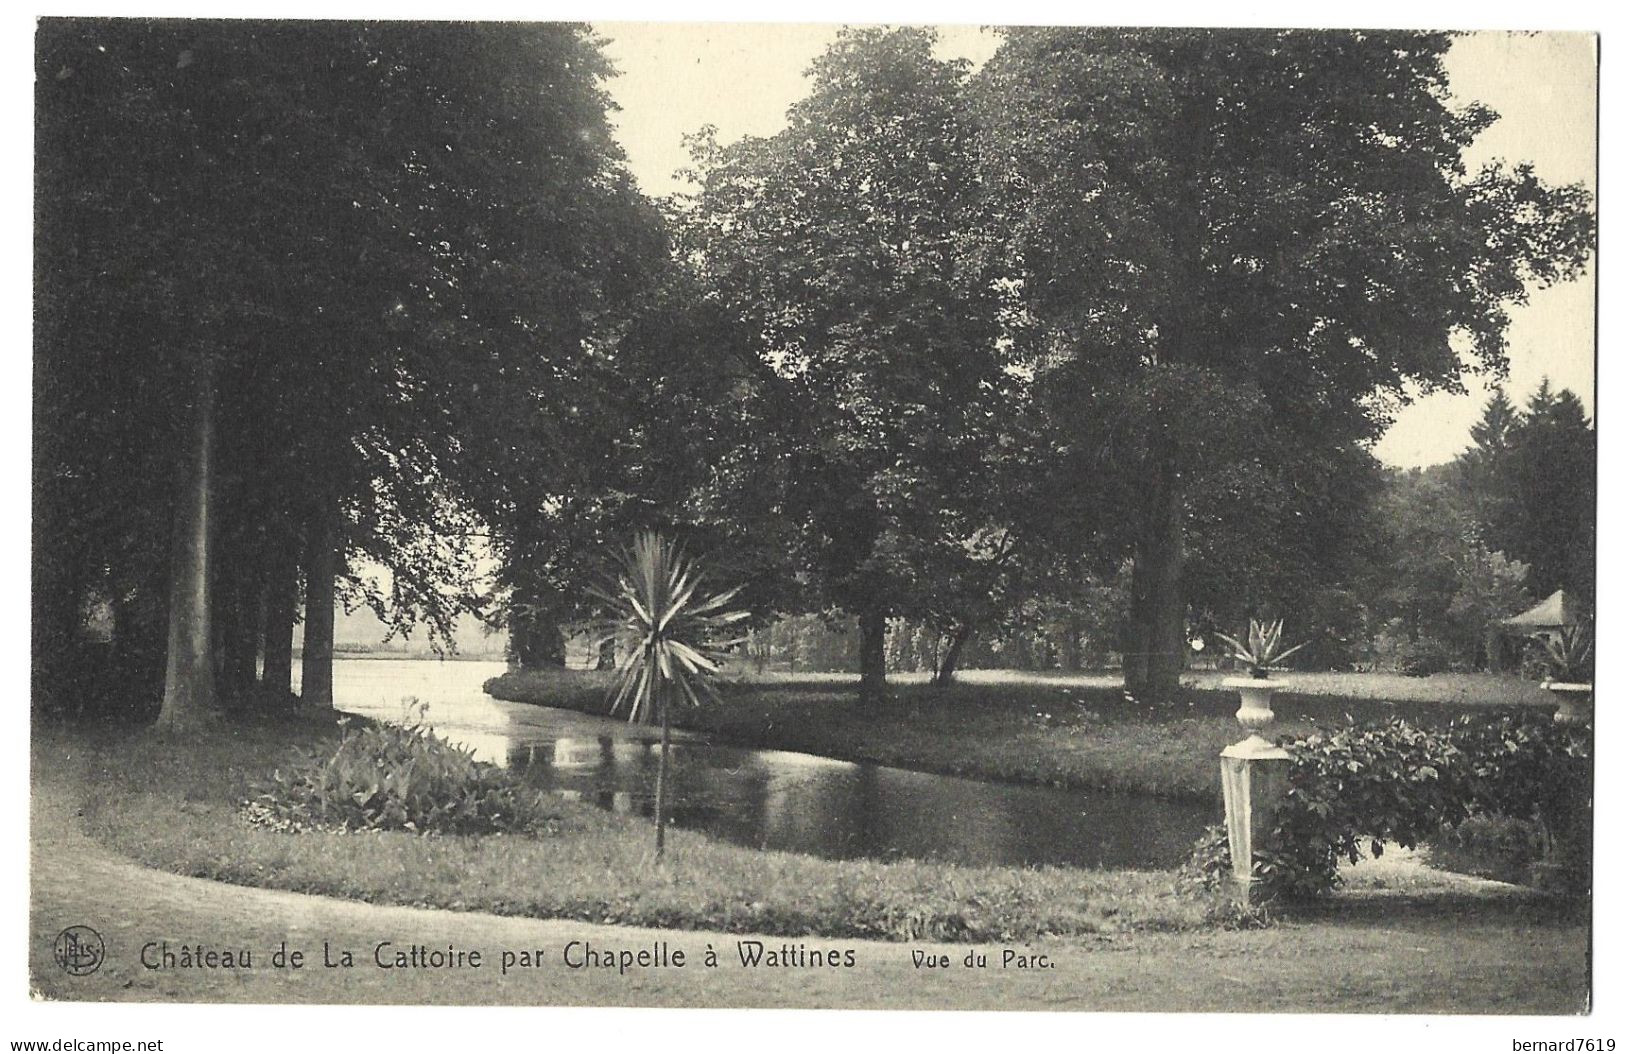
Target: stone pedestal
(1253, 773)
(1573, 701)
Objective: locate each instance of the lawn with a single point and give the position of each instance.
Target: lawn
(1457, 689)
(1397, 939)
(1061, 729)
(176, 808)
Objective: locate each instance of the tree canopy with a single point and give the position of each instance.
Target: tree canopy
(851, 246)
(394, 240)
(1252, 239)
(1108, 325)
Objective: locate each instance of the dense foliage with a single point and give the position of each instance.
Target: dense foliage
(377, 252)
(398, 778)
(1365, 786)
(851, 244)
(1232, 264)
(1457, 547)
(1530, 480)
(1009, 366)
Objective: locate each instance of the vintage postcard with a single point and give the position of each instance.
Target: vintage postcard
(813, 516)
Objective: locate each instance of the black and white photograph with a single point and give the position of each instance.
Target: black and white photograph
(910, 516)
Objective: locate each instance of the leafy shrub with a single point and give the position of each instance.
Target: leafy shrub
(1370, 784)
(1491, 846)
(1373, 784)
(1526, 766)
(395, 778)
(1426, 656)
(1208, 864)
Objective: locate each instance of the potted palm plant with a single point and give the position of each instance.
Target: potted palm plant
(1259, 654)
(673, 633)
(1569, 655)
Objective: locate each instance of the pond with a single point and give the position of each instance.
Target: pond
(774, 799)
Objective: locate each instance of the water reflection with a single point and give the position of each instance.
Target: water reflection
(777, 799)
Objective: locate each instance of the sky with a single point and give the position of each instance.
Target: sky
(742, 77)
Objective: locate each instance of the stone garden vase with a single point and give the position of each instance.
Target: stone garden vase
(1253, 775)
(1573, 701)
(1255, 714)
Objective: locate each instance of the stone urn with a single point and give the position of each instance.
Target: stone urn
(1255, 714)
(1573, 701)
(1253, 776)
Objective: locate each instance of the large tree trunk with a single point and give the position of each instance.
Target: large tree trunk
(225, 586)
(189, 693)
(238, 629)
(281, 609)
(1138, 631)
(321, 571)
(872, 657)
(950, 659)
(1156, 649)
(140, 638)
(1155, 655)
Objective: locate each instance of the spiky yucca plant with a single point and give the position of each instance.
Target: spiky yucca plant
(1263, 647)
(1569, 654)
(673, 635)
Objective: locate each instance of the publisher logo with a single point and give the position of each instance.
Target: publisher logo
(79, 950)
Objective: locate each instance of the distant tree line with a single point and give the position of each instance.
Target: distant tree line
(1445, 554)
(1458, 547)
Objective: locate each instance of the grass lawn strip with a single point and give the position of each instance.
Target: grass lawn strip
(1052, 730)
(140, 801)
(1438, 953)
